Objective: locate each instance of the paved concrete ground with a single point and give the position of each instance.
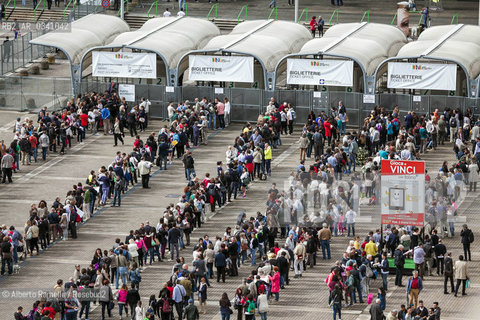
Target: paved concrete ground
(47, 180)
(305, 298)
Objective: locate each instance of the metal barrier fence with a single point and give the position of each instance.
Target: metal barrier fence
(17, 53)
(28, 93)
(31, 94)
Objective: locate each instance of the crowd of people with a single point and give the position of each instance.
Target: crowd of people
(379, 254)
(173, 231)
(92, 112)
(59, 129)
(316, 204)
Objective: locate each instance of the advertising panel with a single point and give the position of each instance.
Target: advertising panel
(428, 76)
(127, 91)
(124, 65)
(220, 68)
(403, 192)
(320, 72)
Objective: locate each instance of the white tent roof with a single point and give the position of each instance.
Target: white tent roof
(171, 37)
(370, 44)
(269, 43)
(88, 32)
(463, 46)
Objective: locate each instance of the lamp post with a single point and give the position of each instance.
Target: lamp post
(296, 11)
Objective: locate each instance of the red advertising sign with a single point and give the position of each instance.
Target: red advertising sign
(401, 167)
(404, 219)
(403, 192)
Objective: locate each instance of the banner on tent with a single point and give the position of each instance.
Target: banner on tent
(320, 72)
(220, 68)
(124, 65)
(127, 91)
(430, 76)
(403, 192)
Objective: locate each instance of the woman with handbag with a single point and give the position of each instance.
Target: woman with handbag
(106, 299)
(134, 275)
(133, 251)
(237, 303)
(122, 299)
(225, 305)
(33, 233)
(27, 236)
(202, 295)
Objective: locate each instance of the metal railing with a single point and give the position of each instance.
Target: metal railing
(36, 9)
(241, 11)
(454, 18)
(31, 93)
(304, 11)
(125, 8)
(334, 16)
(420, 20)
(366, 14)
(14, 4)
(151, 7)
(18, 53)
(395, 15)
(274, 9)
(68, 6)
(214, 6)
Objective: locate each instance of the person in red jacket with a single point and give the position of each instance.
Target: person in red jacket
(313, 25)
(51, 311)
(328, 131)
(83, 125)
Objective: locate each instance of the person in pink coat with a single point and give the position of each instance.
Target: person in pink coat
(275, 280)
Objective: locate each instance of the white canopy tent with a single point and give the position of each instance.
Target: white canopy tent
(170, 38)
(267, 41)
(87, 32)
(459, 44)
(367, 44)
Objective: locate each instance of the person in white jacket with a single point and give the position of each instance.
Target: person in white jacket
(473, 176)
(262, 302)
(139, 311)
(144, 168)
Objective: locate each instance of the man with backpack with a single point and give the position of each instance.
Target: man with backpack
(25, 148)
(178, 295)
(467, 239)
(357, 287)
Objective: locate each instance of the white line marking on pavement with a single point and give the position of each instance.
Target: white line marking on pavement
(8, 127)
(51, 163)
(278, 160)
